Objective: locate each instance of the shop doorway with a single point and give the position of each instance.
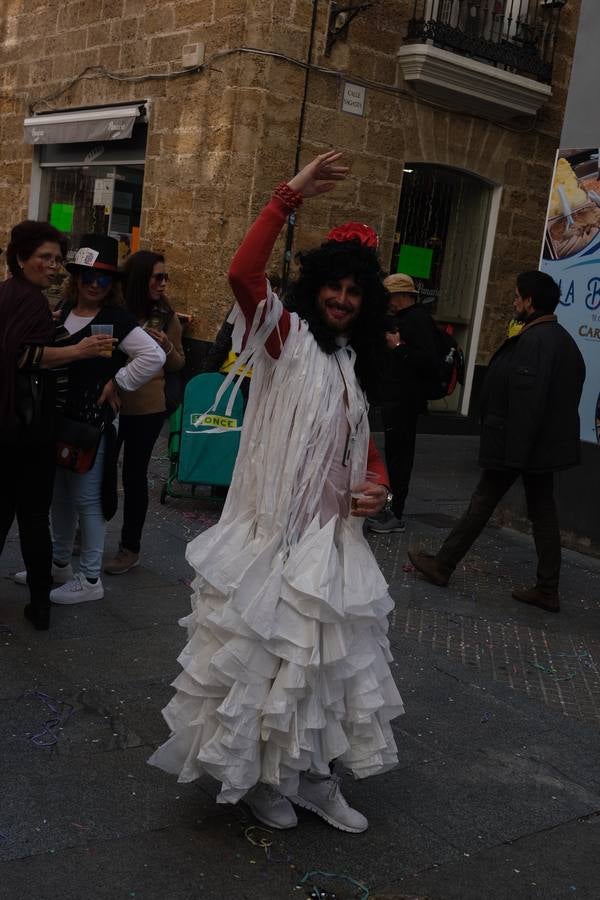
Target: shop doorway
(440, 239)
(90, 186)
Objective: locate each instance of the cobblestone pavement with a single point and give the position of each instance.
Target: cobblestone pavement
(496, 795)
(557, 668)
(522, 649)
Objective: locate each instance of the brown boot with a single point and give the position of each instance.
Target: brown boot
(122, 562)
(428, 566)
(534, 597)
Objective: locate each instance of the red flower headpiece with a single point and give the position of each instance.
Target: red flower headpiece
(354, 231)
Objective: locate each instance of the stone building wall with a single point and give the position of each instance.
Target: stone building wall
(220, 139)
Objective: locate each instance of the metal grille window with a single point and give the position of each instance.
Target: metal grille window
(446, 10)
(517, 35)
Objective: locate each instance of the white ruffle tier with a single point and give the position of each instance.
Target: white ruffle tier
(287, 664)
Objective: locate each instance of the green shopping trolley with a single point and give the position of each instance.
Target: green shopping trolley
(198, 453)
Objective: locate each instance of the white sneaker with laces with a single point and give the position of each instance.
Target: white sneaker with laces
(325, 798)
(77, 590)
(270, 807)
(60, 574)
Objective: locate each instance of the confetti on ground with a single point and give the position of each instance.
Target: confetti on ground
(255, 839)
(62, 710)
(318, 892)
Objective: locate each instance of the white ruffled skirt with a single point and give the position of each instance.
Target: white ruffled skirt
(287, 664)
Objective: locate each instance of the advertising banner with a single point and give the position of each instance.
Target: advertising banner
(571, 255)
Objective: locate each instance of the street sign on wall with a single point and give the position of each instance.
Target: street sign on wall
(353, 99)
(571, 255)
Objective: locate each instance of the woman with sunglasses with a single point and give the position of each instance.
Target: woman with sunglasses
(143, 411)
(92, 394)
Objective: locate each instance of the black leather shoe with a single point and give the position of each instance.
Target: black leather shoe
(534, 597)
(430, 568)
(39, 618)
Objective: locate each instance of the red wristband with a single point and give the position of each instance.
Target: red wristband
(291, 198)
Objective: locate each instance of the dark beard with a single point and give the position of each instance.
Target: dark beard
(325, 336)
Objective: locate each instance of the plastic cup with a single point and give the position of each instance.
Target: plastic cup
(355, 496)
(106, 330)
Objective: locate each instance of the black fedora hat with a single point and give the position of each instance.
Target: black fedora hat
(95, 251)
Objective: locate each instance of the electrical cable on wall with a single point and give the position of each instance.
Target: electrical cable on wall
(102, 72)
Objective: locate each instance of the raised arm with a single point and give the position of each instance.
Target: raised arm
(247, 272)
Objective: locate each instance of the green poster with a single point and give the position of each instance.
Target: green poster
(61, 216)
(415, 261)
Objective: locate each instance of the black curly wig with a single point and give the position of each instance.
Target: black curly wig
(330, 262)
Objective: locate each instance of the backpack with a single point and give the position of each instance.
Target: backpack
(451, 363)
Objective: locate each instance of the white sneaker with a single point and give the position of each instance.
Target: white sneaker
(325, 798)
(77, 590)
(270, 807)
(60, 574)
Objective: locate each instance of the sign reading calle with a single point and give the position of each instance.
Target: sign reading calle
(353, 99)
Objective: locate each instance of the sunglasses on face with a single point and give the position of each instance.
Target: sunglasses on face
(163, 277)
(103, 281)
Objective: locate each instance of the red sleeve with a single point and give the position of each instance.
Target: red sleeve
(247, 271)
(376, 464)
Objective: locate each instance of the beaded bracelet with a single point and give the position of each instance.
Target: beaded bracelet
(291, 198)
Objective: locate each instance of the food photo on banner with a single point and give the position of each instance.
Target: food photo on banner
(571, 255)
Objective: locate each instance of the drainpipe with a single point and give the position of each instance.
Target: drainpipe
(289, 240)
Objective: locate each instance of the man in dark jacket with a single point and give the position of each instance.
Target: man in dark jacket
(406, 369)
(529, 427)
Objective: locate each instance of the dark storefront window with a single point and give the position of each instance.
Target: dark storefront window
(440, 235)
(94, 199)
(94, 187)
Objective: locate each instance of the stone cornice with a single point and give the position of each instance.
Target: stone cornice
(469, 85)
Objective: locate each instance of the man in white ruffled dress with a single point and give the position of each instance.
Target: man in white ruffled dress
(287, 665)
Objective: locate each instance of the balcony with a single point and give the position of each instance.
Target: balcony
(492, 57)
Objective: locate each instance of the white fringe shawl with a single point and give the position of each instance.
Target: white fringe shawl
(289, 427)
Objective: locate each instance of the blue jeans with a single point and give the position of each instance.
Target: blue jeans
(79, 497)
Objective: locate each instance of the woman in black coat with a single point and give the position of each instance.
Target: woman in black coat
(27, 401)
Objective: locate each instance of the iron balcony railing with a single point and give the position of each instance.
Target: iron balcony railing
(517, 35)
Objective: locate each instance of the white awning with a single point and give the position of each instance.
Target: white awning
(111, 123)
